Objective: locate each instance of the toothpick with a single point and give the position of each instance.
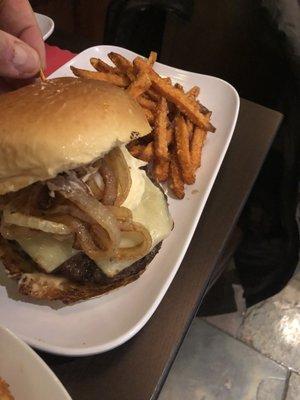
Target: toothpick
(42, 76)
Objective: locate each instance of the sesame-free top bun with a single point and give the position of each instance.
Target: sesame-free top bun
(54, 126)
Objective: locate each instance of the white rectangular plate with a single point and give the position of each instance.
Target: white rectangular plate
(101, 324)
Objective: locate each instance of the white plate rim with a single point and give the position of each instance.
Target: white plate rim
(109, 345)
(47, 34)
(32, 354)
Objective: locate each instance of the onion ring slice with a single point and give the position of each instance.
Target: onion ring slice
(138, 251)
(28, 221)
(116, 160)
(110, 183)
(71, 190)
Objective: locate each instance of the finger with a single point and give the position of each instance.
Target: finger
(17, 59)
(17, 18)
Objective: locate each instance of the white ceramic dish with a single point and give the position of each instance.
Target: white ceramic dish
(103, 323)
(46, 25)
(29, 378)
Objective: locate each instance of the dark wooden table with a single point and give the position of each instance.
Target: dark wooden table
(138, 369)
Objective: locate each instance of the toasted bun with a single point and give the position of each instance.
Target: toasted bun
(47, 128)
(54, 287)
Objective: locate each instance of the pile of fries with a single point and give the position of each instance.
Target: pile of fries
(180, 122)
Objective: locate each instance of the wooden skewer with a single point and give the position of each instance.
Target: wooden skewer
(42, 76)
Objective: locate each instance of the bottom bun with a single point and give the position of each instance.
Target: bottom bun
(56, 287)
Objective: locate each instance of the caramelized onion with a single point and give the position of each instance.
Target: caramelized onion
(96, 185)
(71, 190)
(110, 184)
(121, 213)
(83, 238)
(144, 238)
(116, 160)
(14, 232)
(29, 221)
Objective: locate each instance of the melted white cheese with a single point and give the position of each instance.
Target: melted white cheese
(153, 213)
(137, 180)
(47, 251)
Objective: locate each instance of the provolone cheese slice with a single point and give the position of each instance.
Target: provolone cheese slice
(47, 251)
(153, 213)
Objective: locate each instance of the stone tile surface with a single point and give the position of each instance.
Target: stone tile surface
(229, 323)
(211, 365)
(273, 326)
(293, 392)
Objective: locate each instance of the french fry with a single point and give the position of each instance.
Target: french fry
(187, 106)
(193, 92)
(42, 75)
(139, 85)
(160, 130)
(147, 103)
(178, 86)
(117, 80)
(175, 179)
(149, 115)
(170, 135)
(190, 127)
(136, 150)
(197, 143)
(204, 110)
(147, 152)
(152, 58)
(102, 66)
(153, 95)
(122, 64)
(161, 169)
(167, 80)
(183, 150)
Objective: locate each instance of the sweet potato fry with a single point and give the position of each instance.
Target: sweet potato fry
(147, 152)
(122, 64)
(139, 85)
(187, 106)
(178, 86)
(118, 80)
(136, 150)
(160, 130)
(161, 169)
(147, 103)
(149, 115)
(190, 127)
(176, 181)
(170, 135)
(183, 150)
(102, 66)
(167, 80)
(193, 92)
(152, 58)
(153, 95)
(197, 143)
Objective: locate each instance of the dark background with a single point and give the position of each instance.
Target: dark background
(239, 41)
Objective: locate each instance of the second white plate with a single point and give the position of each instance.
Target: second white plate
(29, 378)
(103, 323)
(46, 25)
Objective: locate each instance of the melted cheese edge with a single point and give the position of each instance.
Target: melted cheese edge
(154, 214)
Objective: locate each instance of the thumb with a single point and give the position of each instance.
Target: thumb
(17, 59)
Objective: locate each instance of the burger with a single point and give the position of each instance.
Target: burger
(79, 215)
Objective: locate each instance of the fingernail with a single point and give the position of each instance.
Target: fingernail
(25, 59)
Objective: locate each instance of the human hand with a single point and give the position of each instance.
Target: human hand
(22, 50)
